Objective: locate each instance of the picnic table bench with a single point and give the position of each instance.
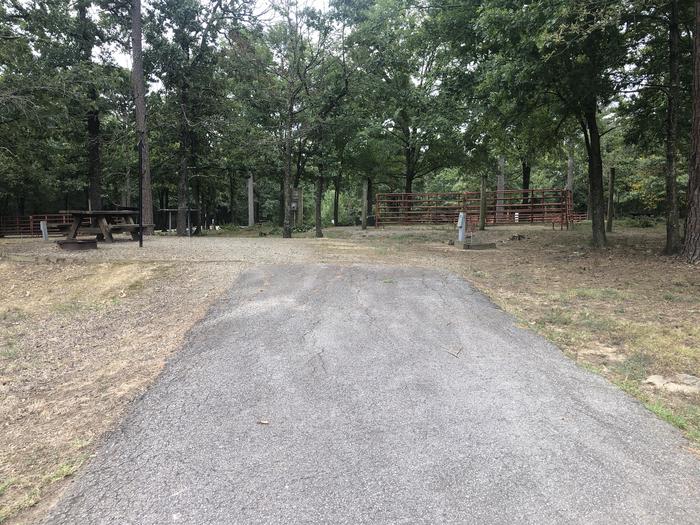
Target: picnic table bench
(107, 223)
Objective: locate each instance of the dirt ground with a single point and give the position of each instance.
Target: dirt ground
(84, 333)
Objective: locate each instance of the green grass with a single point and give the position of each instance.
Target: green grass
(4, 485)
(557, 317)
(596, 293)
(12, 315)
(9, 350)
(635, 367)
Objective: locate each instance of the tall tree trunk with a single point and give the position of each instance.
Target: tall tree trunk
(317, 204)
(527, 171)
(139, 89)
(595, 174)
(365, 202)
(370, 198)
(94, 168)
(336, 198)
(410, 173)
(196, 198)
(570, 167)
(86, 43)
(408, 185)
(691, 246)
(183, 180)
(673, 238)
(126, 190)
(287, 222)
(611, 200)
(482, 203)
(500, 185)
(231, 197)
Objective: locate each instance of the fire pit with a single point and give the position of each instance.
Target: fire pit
(75, 244)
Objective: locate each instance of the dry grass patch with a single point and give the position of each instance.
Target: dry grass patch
(78, 342)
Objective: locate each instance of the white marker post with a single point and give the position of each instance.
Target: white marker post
(44, 230)
(461, 227)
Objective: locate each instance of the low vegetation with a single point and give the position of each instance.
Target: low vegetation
(82, 337)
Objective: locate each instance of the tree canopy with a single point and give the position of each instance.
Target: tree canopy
(401, 95)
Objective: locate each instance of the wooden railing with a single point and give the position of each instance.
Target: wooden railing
(29, 225)
(505, 207)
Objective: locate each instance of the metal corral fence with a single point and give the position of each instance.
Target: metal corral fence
(504, 207)
(29, 225)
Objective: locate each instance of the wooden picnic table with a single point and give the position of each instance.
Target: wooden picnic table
(108, 222)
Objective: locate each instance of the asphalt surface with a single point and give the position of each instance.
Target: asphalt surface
(327, 394)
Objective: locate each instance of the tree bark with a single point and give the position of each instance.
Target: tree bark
(673, 238)
(691, 246)
(370, 198)
(570, 168)
(410, 173)
(197, 199)
(611, 200)
(287, 221)
(231, 197)
(317, 204)
(86, 42)
(500, 185)
(94, 168)
(336, 198)
(183, 180)
(139, 90)
(482, 203)
(527, 171)
(595, 174)
(365, 202)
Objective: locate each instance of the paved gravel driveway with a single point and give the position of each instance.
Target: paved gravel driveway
(329, 394)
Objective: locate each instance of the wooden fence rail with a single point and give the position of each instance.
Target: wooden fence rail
(505, 207)
(29, 225)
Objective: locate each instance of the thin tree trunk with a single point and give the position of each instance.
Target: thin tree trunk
(691, 246)
(570, 168)
(86, 42)
(482, 203)
(336, 198)
(196, 198)
(139, 89)
(183, 180)
(673, 238)
(500, 185)
(94, 168)
(365, 202)
(280, 221)
(595, 175)
(611, 200)
(231, 197)
(370, 198)
(527, 171)
(126, 191)
(287, 222)
(317, 204)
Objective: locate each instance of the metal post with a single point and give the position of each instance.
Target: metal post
(43, 225)
(141, 190)
(461, 225)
